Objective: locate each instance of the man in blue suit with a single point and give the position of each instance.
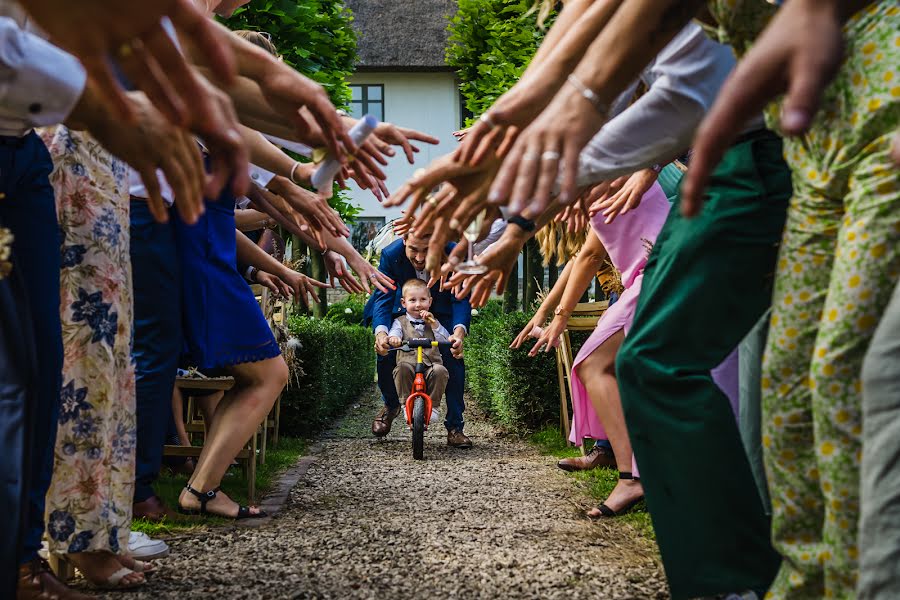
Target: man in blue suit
(401, 261)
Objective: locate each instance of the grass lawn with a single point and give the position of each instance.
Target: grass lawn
(599, 483)
(169, 486)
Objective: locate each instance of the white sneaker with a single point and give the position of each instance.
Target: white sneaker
(143, 547)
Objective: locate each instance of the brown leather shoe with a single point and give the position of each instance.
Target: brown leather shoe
(152, 509)
(458, 439)
(381, 426)
(37, 582)
(599, 456)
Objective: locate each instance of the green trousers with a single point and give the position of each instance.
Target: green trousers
(707, 282)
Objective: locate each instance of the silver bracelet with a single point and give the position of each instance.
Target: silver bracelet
(293, 171)
(589, 95)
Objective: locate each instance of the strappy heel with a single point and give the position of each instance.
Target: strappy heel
(205, 497)
(606, 512)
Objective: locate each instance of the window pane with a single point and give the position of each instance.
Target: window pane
(374, 92)
(376, 109)
(357, 92)
(356, 110)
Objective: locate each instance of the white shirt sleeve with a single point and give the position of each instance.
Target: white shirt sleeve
(260, 176)
(497, 229)
(396, 329)
(684, 80)
(441, 334)
(39, 83)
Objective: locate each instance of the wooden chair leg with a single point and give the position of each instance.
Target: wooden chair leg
(563, 391)
(251, 471)
(264, 433)
(63, 569)
(277, 426)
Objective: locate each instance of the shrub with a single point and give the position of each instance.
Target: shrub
(515, 391)
(491, 44)
(337, 363)
(348, 311)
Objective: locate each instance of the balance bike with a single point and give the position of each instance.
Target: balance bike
(419, 403)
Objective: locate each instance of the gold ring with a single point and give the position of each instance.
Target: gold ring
(432, 200)
(129, 48)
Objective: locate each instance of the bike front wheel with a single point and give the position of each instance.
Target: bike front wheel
(418, 428)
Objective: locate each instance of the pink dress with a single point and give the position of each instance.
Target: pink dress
(625, 239)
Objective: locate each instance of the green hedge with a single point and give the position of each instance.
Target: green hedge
(338, 364)
(348, 311)
(515, 391)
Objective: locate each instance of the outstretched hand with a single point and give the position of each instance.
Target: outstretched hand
(136, 39)
(626, 198)
(798, 53)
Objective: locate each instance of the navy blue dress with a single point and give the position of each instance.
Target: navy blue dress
(223, 323)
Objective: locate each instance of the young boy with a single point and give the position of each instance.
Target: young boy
(418, 322)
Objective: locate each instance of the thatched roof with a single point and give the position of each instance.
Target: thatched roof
(401, 35)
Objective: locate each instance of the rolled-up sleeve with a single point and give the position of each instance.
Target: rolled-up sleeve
(39, 83)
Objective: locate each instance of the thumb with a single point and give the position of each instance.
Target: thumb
(810, 74)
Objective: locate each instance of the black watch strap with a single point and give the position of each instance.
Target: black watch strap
(525, 224)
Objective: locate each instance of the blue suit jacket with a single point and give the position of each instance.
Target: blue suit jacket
(382, 309)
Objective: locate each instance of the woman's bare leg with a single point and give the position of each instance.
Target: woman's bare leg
(598, 373)
(237, 417)
(178, 415)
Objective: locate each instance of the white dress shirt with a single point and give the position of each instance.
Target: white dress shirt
(683, 82)
(440, 332)
(39, 83)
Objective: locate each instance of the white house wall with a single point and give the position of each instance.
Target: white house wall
(428, 102)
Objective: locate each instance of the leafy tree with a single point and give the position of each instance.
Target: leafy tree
(316, 38)
(491, 44)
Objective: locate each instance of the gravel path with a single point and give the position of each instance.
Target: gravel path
(366, 521)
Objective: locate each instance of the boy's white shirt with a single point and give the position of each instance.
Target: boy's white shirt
(440, 332)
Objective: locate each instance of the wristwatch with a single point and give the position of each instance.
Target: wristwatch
(251, 273)
(523, 223)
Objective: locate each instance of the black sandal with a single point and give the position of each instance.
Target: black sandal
(607, 513)
(205, 497)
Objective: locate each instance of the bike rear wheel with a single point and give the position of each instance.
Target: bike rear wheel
(418, 428)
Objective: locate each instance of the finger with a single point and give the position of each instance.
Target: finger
(523, 190)
(172, 68)
(109, 89)
(506, 177)
(742, 95)
(412, 134)
(568, 187)
(471, 141)
(488, 145)
(144, 72)
(810, 73)
(370, 149)
(151, 184)
(180, 186)
(208, 36)
(548, 173)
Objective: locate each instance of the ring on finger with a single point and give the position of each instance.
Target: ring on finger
(432, 200)
(550, 155)
(373, 276)
(129, 48)
(486, 119)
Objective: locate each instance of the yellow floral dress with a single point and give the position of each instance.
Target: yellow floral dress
(838, 264)
(90, 498)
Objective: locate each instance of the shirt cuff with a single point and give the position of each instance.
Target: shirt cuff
(260, 176)
(381, 329)
(48, 83)
(466, 329)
